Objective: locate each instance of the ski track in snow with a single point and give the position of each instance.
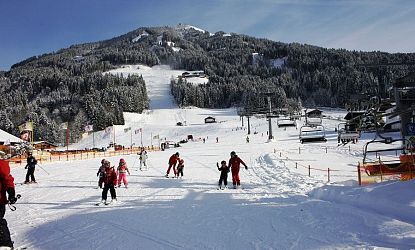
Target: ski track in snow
(278, 207)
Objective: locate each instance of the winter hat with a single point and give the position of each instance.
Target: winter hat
(177, 153)
(223, 162)
(233, 153)
(122, 160)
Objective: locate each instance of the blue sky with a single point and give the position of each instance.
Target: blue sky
(34, 27)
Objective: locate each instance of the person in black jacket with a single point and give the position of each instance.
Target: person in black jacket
(224, 170)
(31, 164)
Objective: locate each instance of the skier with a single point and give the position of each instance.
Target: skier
(31, 164)
(143, 159)
(172, 163)
(234, 164)
(122, 173)
(101, 173)
(110, 181)
(6, 186)
(224, 170)
(180, 167)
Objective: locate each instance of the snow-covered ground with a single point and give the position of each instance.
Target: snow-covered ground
(279, 206)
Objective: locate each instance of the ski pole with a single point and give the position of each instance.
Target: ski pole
(43, 169)
(13, 207)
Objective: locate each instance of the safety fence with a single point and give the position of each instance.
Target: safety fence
(55, 156)
(327, 172)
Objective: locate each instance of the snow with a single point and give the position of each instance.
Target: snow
(279, 62)
(144, 34)
(279, 207)
(186, 27)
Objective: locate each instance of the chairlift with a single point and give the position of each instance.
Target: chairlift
(286, 122)
(312, 134)
(313, 121)
(388, 164)
(347, 133)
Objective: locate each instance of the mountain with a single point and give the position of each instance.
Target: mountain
(70, 85)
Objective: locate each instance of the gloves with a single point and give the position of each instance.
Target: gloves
(97, 174)
(12, 195)
(246, 167)
(26, 167)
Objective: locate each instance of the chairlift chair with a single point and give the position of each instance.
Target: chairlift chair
(312, 134)
(403, 165)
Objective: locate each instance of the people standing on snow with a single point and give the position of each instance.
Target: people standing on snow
(110, 181)
(101, 173)
(180, 167)
(234, 164)
(122, 173)
(174, 159)
(6, 187)
(224, 170)
(143, 159)
(30, 166)
(247, 139)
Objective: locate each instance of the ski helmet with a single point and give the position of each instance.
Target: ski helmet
(233, 153)
(177, 153)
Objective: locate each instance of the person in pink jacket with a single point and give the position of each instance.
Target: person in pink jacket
(122, 173)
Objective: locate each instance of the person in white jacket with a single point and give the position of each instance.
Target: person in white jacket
(143, 159)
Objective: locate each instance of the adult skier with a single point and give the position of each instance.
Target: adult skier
(6, 186)
(234, 164)
(174, 159)
(31, 164)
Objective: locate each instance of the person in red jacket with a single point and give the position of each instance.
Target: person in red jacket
(234, 164)
(174, 159)
(110, 181)
(6, 187)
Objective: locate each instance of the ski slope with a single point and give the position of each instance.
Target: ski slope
(279, 206)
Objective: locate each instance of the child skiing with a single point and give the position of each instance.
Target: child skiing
(101, 173)
(180, 168)
(31, 164)
(122, 173)
(143, 159)
(224, 170)
(110, 180)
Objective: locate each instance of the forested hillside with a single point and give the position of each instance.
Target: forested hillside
(69, 85)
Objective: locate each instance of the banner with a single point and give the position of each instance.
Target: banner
(156, 137)
(25, 136)
(89, 128)
(138, 131)
(63, 126)
(108, 130)
(127, 129)
(27, 126)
